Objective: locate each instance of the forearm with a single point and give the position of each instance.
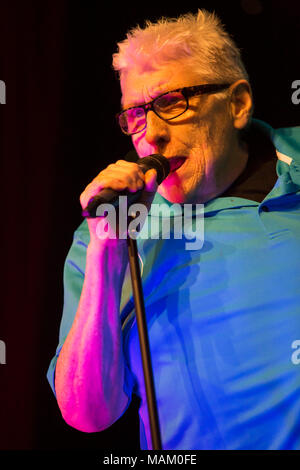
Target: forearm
(90, 368)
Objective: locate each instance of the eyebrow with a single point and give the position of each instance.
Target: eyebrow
(157, 91)
(152, 99)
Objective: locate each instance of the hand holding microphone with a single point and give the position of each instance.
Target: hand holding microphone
(138, 181)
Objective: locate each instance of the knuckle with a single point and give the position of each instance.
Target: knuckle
(110, 166)
(83, 199)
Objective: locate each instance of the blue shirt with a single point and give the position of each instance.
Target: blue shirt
(223, 320)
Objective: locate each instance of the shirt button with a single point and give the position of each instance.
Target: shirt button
(265, 208)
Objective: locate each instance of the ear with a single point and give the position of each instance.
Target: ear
(241, 103)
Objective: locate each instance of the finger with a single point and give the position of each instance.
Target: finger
(119, 181)
(90, 191)
(151, 180)
(131, 174)
(97, 185)
(129, 165)
(113, 179)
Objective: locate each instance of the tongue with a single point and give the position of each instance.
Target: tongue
(176, 163)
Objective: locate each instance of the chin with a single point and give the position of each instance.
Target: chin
(180, 195)
(173, 193)
(180, 186)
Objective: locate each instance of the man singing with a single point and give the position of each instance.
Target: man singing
(223, 320)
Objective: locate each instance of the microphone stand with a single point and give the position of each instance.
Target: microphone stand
(144, 341)
(162, 167)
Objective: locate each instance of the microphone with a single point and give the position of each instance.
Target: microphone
(158, 162)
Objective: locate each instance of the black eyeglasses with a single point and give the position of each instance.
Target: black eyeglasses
(167, 106)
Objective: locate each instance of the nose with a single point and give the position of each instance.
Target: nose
(157, 131)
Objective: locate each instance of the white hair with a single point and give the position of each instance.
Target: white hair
(199, 41)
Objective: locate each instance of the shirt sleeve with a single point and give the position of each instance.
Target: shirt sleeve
(73, 278)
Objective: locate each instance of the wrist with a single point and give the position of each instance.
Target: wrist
(110, 255)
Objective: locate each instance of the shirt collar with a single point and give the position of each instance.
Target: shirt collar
(287, 145)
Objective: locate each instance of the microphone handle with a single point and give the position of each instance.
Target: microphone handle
(109, 196)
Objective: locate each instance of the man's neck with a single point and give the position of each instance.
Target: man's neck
(259, 175)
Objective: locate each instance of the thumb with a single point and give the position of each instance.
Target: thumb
(150, 181)
(150, 187)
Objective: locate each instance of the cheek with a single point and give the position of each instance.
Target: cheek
(200, 145)
(211, 138)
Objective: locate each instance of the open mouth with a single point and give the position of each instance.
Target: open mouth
(176, 163)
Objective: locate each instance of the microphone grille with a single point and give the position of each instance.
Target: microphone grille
(159, 163)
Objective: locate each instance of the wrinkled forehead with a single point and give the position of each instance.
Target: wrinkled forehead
(140, 86)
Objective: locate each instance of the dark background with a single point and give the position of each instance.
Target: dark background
(57, 131)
